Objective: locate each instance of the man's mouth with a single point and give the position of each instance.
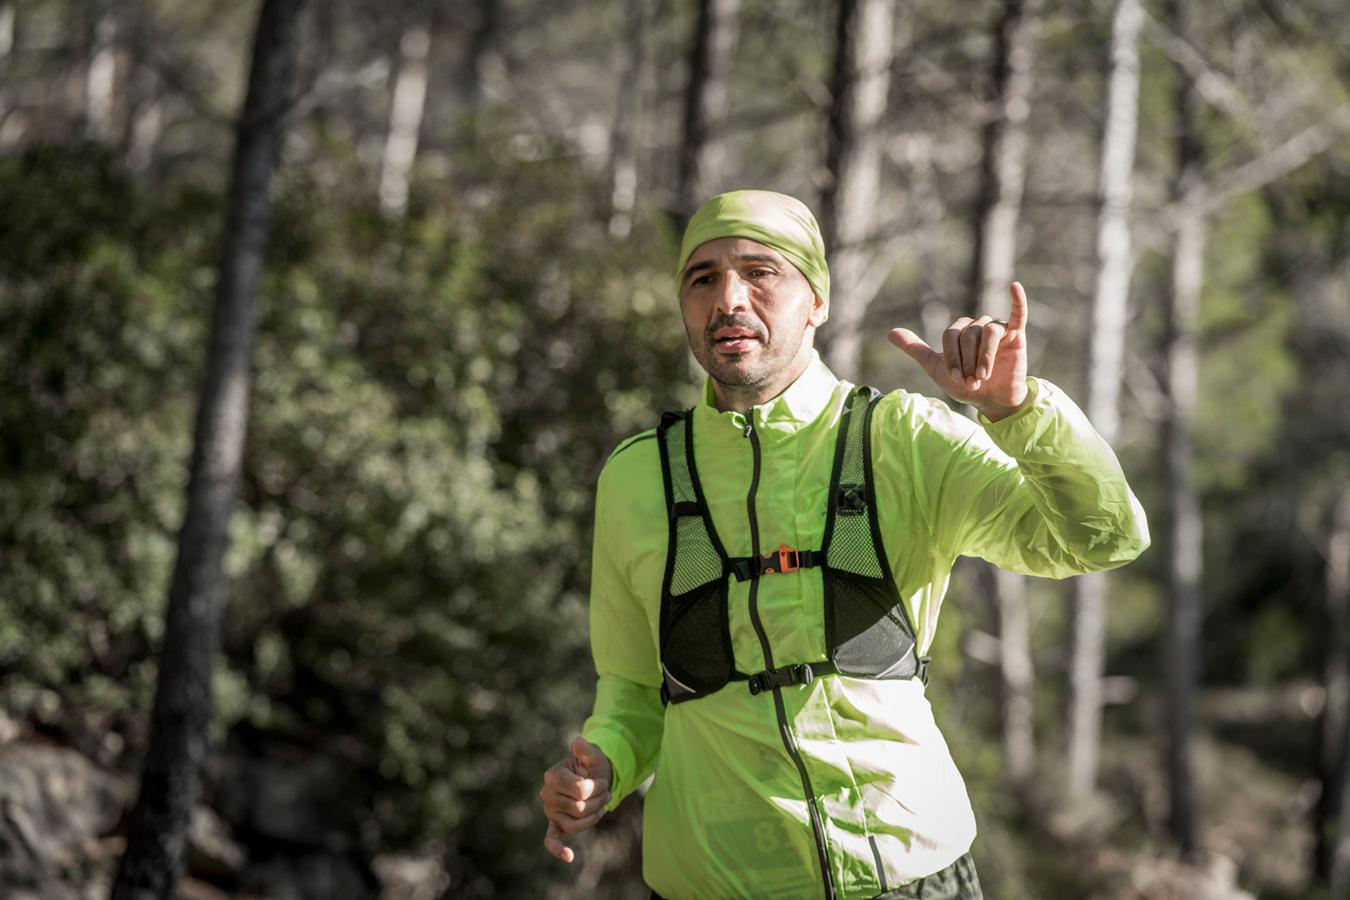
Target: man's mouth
(734, 340)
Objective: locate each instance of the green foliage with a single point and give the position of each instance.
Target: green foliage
(433, 400)
(1245, 366)
(95, 426)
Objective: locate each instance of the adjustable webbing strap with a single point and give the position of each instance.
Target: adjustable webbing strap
(784, 559)
(805, 673)
(786, 676)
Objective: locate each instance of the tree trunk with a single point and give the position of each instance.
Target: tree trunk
(864, 49)
(1333, 838)
(623, 174)
(7, 32)
(1105, 365)
(483, 60)
(142, 89)
(1340, 864)
(100, 73)
(182, 712)
(1184, 562)
(143, 135)
(705, 101)
(1003, 174)
(1003, 162)
(1184, 527)
(1017, 673)
(405, 118)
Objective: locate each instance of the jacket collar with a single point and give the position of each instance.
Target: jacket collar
(799, 405)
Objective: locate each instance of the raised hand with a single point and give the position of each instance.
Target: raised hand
(983, 361)
(574, 795)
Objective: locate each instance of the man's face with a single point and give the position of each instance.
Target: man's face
(750, 314)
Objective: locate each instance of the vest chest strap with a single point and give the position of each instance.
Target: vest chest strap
(805, 673)
(786, 676)
(784, 559)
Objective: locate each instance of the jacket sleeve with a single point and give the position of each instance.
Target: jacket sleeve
(628, 718)
(1038, 493)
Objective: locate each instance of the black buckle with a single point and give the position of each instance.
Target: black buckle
(785, 677)
(851, 499)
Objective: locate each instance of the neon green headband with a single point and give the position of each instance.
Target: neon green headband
(775, 220)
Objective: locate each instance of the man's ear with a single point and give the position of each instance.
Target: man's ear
(820, 312)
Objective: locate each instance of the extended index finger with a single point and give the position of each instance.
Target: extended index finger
(1017, 318)
(554, 844)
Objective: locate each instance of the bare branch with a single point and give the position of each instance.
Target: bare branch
(1270, 166)
(1214, 86)
(1280, 161)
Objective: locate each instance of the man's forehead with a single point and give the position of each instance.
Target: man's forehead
(736, 248)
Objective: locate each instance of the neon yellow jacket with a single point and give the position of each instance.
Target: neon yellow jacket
(1038, 493)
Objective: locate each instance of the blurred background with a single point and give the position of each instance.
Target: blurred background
(465, 301)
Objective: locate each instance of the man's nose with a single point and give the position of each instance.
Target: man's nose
(735, 294)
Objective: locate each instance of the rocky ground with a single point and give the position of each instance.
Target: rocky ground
(278, 827)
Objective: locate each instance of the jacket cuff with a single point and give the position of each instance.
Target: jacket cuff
(1022, 428)
(622, 762)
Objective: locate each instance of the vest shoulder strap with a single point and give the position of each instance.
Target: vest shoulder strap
(694, 629)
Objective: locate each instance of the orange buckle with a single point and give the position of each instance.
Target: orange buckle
(788, 559)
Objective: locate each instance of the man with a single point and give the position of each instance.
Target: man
(778, 694)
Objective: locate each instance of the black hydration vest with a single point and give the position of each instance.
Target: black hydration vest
(867, 629)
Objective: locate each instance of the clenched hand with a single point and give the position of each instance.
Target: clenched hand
(574, 795)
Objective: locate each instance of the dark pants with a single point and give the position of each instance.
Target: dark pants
(956, 882)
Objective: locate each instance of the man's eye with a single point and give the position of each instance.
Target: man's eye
(760, 273)
(702, 280)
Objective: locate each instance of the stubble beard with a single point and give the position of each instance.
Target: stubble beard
(771, 360)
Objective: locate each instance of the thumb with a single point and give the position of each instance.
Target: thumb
(916, 347)
(588, 755)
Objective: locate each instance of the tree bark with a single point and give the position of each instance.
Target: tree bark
(705, 101)
(1104, 367)
(405, 118)
(623, 161)
(864, 50)
(1185, 530)
(1002, 177)
(1333, 836)
(170, 782)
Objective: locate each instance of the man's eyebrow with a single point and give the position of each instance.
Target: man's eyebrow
(697, 267)
(701, 265)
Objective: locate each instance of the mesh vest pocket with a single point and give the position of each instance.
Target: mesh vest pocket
(867, 629)
(692, 650)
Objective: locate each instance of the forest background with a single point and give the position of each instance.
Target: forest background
(464, 302)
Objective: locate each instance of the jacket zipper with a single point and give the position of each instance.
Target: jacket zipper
(817, 829)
